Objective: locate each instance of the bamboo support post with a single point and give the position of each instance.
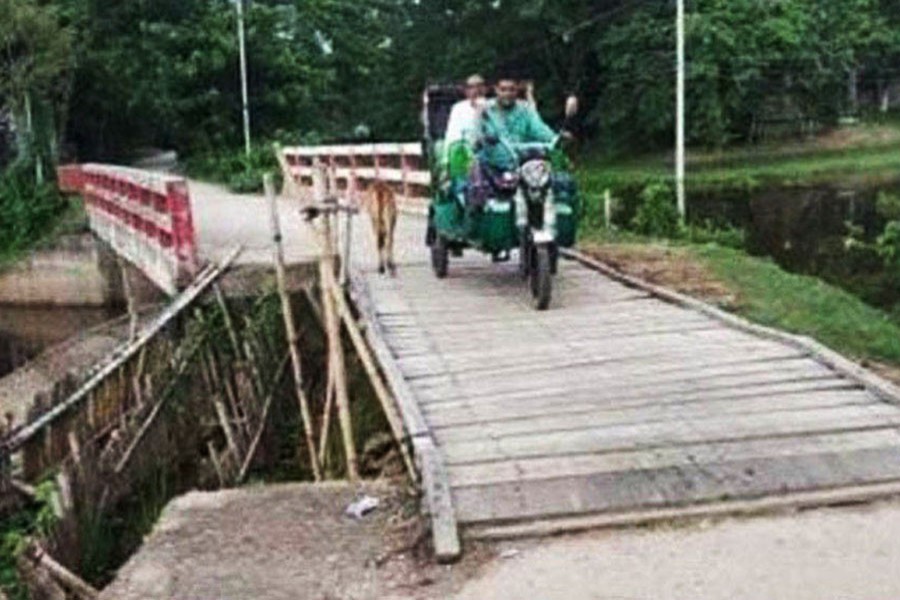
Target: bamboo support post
(290, 327)
(40, 559)
(267, 406)
(216, 463)
(326, 416)
(335, 346)
(395, 421)
(345, 255)
(229, 323)
(223, 382)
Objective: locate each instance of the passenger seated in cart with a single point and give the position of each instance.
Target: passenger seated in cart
(465, 116)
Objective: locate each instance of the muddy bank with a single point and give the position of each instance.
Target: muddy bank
(25, 332)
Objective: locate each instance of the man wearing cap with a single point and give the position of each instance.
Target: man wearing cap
(465, 116)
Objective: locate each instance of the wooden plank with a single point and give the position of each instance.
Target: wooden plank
(460, 313)
(649, 413)
(439, 500)
(786, 501)
(885, 390)
(657, 435)
(683, 341)
(541, 360)
(455, 388)
(588, 464)
(621, 387)
(477, 414)
(679, 485)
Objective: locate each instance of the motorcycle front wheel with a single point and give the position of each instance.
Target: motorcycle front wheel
(541, 278)
(440, 256)
(524, 253)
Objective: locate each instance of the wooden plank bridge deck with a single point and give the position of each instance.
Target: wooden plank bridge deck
(616, 406)
(613, 407)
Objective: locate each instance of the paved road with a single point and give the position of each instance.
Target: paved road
(223, 219)
(823, 555)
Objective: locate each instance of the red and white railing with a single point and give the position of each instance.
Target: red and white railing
(145, 216)
(353, 167)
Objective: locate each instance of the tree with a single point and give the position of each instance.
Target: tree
(34, 57)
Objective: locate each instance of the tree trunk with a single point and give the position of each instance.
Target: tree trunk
(32, 142)
(853, 91)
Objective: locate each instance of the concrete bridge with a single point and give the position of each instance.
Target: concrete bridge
(623, 404)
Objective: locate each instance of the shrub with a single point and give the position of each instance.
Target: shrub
(709, 233)
(241, 173)
(656, 215)
(888, 205)
(27, 210)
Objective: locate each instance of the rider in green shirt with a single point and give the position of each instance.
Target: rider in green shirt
(513, 121)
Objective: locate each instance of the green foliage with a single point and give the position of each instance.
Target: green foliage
(27, 210)
(234, 168)
(750, 63)
(657, 215)
(888, 205)
(166, 73)
(888, 245)
(36, 520)
(34, 52)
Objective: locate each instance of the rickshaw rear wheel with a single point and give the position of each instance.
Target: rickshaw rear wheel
(541, 278)
(440, 256)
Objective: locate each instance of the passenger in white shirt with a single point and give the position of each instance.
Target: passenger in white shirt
(465, 116)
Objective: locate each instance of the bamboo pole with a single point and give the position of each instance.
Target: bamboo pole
(290, 326)
(326, 415)
(229, 323)
(395, 421)
(39, 558)
(251, 451)
(335, 346)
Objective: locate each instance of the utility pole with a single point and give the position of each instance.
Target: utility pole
(679, 116)
(245, 103)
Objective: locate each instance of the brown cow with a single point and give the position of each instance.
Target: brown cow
(382, 207)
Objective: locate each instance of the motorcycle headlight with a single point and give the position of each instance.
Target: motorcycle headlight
(536, 173)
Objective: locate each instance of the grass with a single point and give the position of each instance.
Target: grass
(863, 154)
(763, 292)
(805, 305)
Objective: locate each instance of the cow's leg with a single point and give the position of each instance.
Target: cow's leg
(391, 229)
(377, 231)
(382, 248)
